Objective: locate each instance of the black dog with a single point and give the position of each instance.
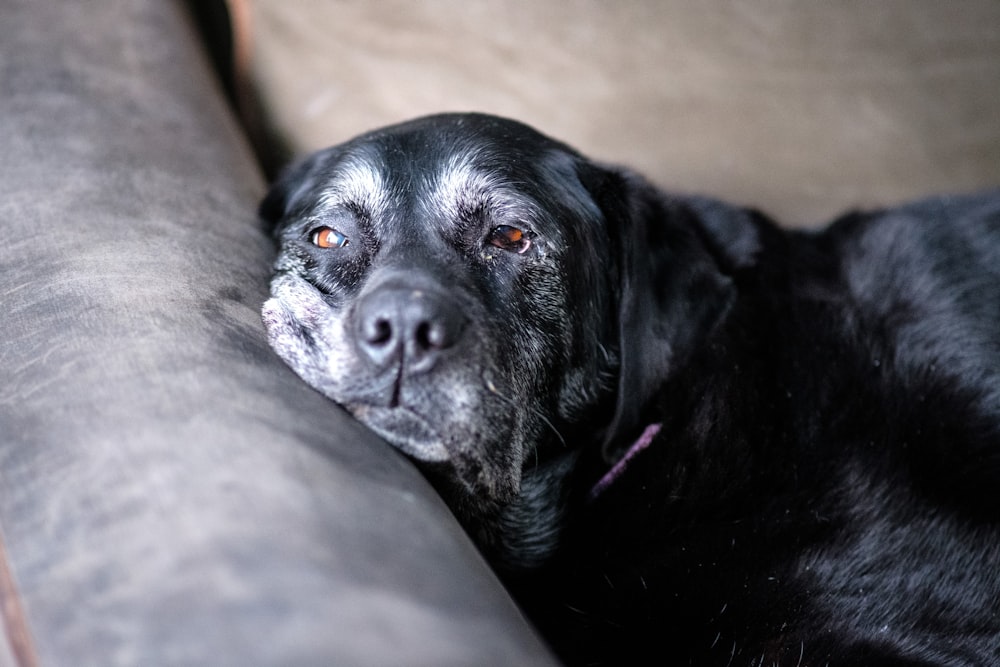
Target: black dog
(683, 434)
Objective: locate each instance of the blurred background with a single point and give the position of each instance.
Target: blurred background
(803, 109)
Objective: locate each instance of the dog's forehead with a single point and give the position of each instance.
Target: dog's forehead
(470, 181)
(431, 175)
(356, 179)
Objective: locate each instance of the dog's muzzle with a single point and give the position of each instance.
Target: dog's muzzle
(398, 326)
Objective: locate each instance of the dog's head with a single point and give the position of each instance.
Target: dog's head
(484, 297)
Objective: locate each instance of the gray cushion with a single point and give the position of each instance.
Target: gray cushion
(169, 492)
(801, 108)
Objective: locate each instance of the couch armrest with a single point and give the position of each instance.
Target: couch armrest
(169, 492)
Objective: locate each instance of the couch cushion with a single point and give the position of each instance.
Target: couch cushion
(803, 109)
(169, 492)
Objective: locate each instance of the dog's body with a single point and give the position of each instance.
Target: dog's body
(681, 432)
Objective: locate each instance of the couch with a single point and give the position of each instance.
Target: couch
(170, 493)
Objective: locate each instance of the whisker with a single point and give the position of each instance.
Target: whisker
(493, 390)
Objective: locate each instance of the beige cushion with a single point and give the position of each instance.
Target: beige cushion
(801, 108)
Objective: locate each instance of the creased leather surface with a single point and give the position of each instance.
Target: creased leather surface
(169, 492)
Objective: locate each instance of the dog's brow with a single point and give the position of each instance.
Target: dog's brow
(462, 183)
(357, 184)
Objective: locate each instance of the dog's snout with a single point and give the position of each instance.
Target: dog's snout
(407, 326)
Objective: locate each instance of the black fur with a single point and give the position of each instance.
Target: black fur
(825, 484)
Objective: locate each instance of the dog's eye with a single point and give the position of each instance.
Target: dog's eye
(328, 237)
(510, 239)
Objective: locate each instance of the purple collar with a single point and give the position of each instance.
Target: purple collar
(616, 471)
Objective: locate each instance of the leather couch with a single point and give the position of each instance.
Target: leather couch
(169, 492)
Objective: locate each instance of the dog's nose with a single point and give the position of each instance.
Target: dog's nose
(407, 326)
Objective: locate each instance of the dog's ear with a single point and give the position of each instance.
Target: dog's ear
(291, 184)
(674, 285)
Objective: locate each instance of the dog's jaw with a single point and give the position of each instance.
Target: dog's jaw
(514, 510)
(311, 336)
(405, 429)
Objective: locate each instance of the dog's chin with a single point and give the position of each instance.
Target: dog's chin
(450, 454)
(405, 430)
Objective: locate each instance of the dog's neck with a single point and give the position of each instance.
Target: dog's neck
(523, 534)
